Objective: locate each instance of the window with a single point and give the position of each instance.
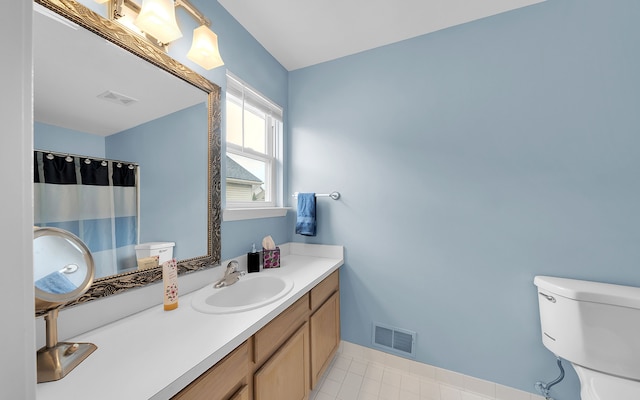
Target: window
(254, 131)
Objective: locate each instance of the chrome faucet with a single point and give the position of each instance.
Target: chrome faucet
(231, 275)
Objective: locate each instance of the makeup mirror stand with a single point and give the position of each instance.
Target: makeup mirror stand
(57, 359)
(57, 253)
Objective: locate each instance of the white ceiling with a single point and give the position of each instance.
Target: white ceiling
(300, 33)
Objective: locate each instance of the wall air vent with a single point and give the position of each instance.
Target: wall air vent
(394, 340)
(115, 97)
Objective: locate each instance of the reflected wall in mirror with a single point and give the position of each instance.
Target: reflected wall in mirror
(124, 99)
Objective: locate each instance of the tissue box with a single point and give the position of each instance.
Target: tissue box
(148, 262)
(271, 258)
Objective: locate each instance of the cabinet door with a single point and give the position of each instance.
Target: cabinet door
(285, 376)
(325, 336)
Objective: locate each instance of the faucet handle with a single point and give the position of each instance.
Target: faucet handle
(232, 267)
(231, 275)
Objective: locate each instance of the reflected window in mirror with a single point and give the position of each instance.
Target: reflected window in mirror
(254, 147)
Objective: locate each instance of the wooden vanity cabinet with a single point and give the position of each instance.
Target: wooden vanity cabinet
(324, 325)
(285, 359)
(227, 380)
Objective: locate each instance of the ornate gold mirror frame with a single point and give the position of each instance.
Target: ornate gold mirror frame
(120, 36)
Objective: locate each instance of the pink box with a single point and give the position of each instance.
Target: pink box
(271, 258)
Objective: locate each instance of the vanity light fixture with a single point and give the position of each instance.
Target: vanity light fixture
(156, 18)
(204, 47)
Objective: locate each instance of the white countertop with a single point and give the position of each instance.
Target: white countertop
(155, 353)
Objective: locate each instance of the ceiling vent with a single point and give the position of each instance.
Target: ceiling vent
(395, 340)
(116, 97)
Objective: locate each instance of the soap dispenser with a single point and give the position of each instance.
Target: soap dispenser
(253, 260)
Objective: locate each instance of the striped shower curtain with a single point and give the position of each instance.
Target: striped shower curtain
(95, 199)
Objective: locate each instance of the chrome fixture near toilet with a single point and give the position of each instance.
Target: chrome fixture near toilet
(231, 275)
(596, 327)
(544, 388)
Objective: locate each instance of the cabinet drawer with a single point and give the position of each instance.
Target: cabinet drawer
(269, 338)
(222, 379)
(324, 290)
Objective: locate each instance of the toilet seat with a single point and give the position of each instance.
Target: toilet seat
(599, 386)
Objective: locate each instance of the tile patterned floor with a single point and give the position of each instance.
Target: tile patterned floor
(354, 378)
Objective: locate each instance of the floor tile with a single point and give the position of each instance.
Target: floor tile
(354, 378)
(410, 384)
(374, 372)
(391, 377)
(330, 387)
(370, 386)
(389, 392)
(358, 367)
(324, 396)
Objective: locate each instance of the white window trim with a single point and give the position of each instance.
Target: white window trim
(237, 211)
(239, 214)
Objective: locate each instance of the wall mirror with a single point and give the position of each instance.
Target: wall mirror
(102, 92)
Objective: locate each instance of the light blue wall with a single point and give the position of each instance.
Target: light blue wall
(54, 138)
(469, 161)
(164, 185)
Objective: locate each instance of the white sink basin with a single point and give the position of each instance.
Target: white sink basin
(251, 291)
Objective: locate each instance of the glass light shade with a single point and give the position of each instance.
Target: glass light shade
(158, 19)
(204, 48)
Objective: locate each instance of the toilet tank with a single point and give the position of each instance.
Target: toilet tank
(595, 325)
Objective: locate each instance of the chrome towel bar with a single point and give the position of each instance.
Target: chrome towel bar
(333, 195)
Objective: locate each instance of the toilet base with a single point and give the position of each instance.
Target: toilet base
(596, 385)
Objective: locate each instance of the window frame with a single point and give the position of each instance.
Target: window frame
(250, 100)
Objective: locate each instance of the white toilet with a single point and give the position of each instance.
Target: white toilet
(595, 326)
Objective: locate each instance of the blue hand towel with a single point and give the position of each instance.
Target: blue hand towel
(306, 221)
(56, 283)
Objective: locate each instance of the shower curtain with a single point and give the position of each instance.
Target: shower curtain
(96, 200)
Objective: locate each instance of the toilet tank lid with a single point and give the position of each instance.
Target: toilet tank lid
(154, 245)
(596, 292)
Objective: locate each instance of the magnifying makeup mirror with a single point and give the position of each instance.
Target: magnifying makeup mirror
(63, 271)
